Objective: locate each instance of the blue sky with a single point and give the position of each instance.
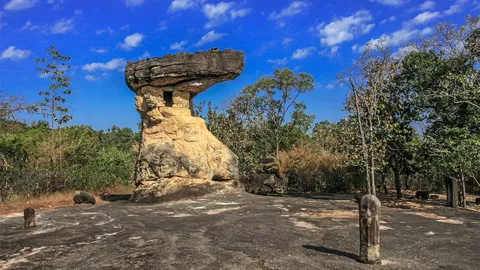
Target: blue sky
(318, 37)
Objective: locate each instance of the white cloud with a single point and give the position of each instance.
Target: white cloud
(132, 41)
(287, 41)
(99, 50)
(345, 28)
(15, 5)
(133, 3)
(391, 19)
(178, 5)
(114, 64)
(456, 7)
(56, 3)
(330, 86)
(217, 14)
(178, 45)
(293, 9)
(15, 54)
(209, 37)
(427, 5)
(30, 27)
(2, 14)
(303, 53)
(162, 26)
(278, 62)
(390, 2)
(125, 27)
(62, 26)
(91, 78)
(240, 13)
(103, 31)
(78, 12)
(397, 38)
(424, 17)
(222, 12)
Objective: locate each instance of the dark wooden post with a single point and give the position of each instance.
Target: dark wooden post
(370, 229)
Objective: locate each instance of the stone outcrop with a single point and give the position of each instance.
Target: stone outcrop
(176, 145)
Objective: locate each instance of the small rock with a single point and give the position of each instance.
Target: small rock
(83, 198)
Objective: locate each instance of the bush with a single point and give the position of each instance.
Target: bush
(309, 170)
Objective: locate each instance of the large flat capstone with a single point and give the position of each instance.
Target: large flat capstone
(184, 71)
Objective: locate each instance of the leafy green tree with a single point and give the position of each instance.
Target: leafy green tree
(55, 66)
(264, 118)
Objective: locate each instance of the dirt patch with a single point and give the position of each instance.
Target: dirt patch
(409, 205)
(330, 214)
(44, 202)
(427, 215)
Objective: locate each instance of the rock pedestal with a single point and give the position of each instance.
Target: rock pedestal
(178, 155)
(370, 229)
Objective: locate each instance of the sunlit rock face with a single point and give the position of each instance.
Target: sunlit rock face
(176, 145)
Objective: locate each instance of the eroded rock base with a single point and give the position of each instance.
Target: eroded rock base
(177, 188)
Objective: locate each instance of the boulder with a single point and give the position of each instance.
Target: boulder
(422, 194)
(262, 183)
(176, 145)
(83, 198)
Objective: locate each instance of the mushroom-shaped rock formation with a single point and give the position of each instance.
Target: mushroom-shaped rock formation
(178, 156)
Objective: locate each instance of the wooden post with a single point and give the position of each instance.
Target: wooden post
(370, 229)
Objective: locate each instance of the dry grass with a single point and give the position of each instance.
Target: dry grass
(330, 214)
(53, 200)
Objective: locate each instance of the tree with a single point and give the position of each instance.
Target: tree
(441, 81)
(53, 106)
(369, 80)
(264, 118)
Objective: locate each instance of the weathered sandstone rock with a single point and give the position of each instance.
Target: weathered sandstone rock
(175, 145)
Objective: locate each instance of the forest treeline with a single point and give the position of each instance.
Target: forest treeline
(413, 121)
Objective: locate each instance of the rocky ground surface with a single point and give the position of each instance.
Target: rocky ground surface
(237, 231)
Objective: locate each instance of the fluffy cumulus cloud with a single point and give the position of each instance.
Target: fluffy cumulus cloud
(209, 37)
(424, 17)
(62, 26)
(397, 38)
(179, 5)
(13, 53)
(295, 8)
(177, 46)
(457, 7)
(278, 62)
(303, 53)
(222, 12)
(114, 64)
(390, 2)
(14, 5)
(133, 3)
(345, 28)
(132, 41)
(428, 5)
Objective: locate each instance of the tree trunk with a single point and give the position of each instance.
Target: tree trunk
(407, 185)
(452, 192)
(362, 137)
(372, 175)
(398, 183)
(463, 193)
